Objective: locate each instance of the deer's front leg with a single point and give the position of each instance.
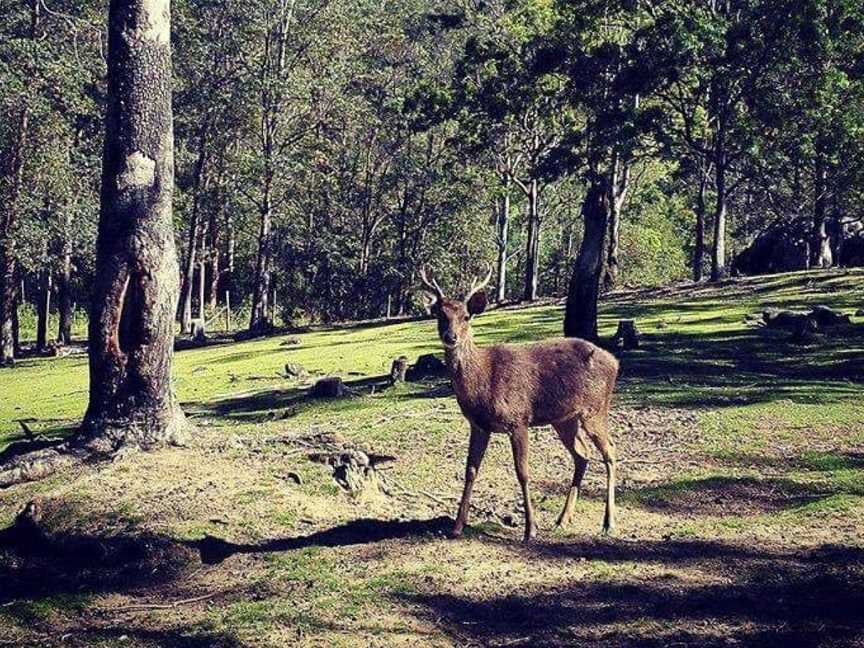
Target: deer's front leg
(519, 442)
(476, 449)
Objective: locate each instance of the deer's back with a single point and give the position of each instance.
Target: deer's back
(545, 382)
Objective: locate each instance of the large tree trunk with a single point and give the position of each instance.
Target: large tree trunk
(136, 287)
(43, 310)
(580, 317)
(718, 256)
(532, 251)
(503, 227)
(820, 244)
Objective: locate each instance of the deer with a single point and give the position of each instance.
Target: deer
(508, 388)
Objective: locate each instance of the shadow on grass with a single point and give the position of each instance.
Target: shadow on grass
(45, 574)
(282, 403)
(362, 531)
(744, 367)
(755, 598)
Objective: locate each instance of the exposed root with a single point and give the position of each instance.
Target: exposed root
(39, 464)
(19, 465)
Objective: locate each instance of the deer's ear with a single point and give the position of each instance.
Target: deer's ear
(477, 304)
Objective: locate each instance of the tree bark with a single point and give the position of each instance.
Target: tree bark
(580, 316)
(532, 251)
(136, 287)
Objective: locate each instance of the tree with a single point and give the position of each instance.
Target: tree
(136, 287)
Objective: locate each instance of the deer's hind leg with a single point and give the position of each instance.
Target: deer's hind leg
(573, 439)
(597, 429)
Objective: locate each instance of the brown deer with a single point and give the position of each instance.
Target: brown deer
(507, 388)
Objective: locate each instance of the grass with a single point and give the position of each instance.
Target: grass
(743, 455)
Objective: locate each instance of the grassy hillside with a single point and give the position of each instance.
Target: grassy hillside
(742, 480)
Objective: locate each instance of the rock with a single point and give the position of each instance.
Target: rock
(805, 331)
(776, 318)
(290, 341)
(295, 370)
(826, 316)
(427, 366)
(329, 387)
(398, 370)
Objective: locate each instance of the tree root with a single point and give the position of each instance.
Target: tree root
(38, 464)
(19, 464)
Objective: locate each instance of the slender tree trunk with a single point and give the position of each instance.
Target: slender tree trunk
(213, 298)
(532, 251)
(228, 271)
(718, 256)
(195, 231)
(64, 293)
(580, 317)
(820, 245)
(619, 185)
(14, 171)
(136, 286)
(8, 218)
(503, 236)
(260, 319)
(699, 235)
(43, 310)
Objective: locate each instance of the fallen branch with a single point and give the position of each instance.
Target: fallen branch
(163, 606)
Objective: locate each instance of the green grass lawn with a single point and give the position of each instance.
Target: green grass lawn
(742, 477)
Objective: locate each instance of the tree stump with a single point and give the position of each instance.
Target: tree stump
(398, 370)
(329, 387)
(199, 332)
(428, 365)
(627, 335)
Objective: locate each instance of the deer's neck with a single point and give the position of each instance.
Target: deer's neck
(465, 362)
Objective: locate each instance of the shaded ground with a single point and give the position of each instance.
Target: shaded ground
(741, 499)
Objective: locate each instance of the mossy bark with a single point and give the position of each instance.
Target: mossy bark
(137, 280)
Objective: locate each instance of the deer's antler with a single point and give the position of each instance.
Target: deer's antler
(431, 285)
(478, 285)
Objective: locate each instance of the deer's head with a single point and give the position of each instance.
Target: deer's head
(454, 315)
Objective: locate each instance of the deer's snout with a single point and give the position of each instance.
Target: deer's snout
(449, 337)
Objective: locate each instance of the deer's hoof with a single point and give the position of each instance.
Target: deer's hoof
(530, 534)
(455, 532)
(609, 530)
